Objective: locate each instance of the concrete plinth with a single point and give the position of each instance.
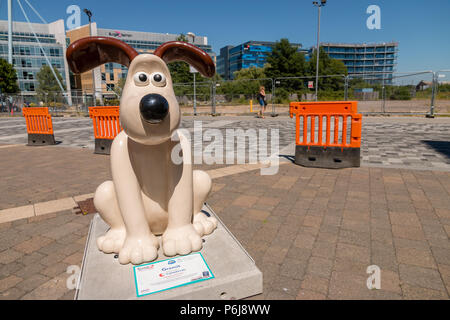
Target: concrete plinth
(236, 275)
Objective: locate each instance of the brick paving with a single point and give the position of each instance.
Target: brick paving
(401, 142)
(35, 254)
(312, 232)
(50, 173)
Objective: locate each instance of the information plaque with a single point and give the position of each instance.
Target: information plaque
(171, 273)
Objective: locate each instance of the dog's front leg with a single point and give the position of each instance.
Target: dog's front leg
(180, 236)
(140, 244)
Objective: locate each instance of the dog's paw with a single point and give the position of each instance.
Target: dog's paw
(182, 240)
(139, 250)
(204, 225)
(112, 241)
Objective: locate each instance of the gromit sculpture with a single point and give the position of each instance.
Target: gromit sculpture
(149, 194)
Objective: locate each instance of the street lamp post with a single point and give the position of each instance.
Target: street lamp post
(318, 5)
(10, 37)
(190, 34)
(89, 14)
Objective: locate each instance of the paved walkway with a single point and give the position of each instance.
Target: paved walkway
(313, 232)
(400, 142)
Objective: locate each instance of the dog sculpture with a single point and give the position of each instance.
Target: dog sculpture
(149, 194)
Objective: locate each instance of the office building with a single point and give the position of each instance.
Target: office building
(372, 62)
(223, 62)
(108, 75)
(28, 57)
(245, 55)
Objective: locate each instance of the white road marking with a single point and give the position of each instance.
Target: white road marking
(214, 124)
(24, 135)
(11, 145)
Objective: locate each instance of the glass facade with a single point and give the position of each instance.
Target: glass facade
(223, 62)
(374, 63)
(245, 55)
(28, 57)
(144, 46)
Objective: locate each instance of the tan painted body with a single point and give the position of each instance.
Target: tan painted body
(150, 194)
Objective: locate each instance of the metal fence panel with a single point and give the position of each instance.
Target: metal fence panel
(407, 95)
(442, 93)
(425, 92)
(331, 88)
(368, 91)
(189, 95)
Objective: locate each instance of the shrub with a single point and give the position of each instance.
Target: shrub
(444, 87)
(112, 102)
(401, 93)
(281, 95)
(331, 95)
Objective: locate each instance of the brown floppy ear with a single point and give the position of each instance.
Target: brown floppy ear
(183, 51)
(90, 52)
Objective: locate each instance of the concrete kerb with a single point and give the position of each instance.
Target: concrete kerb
(41, 208)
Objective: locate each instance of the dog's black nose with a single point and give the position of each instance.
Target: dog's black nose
(153, 108)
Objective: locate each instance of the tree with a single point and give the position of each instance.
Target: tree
(180, 73)
(119, 87)
(8, 77)
(47, 84)
(327, 66)
(251, 73)
(285, 61)
(179, 70)
(246, 81)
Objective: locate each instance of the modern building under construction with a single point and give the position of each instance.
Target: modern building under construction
(372, 62)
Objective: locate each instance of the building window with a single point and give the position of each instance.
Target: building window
(28, 86)
(28, 75)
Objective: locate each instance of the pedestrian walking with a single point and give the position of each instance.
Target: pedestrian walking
(261, 97)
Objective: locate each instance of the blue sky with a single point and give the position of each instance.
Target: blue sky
(421, 27)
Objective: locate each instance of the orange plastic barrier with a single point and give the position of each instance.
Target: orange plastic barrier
(38, 120)
(39, 126)
(106, 127)
(323, 129)
(106, 122)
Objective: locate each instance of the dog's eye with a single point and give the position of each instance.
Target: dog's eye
(141, 79)
(158, 79)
